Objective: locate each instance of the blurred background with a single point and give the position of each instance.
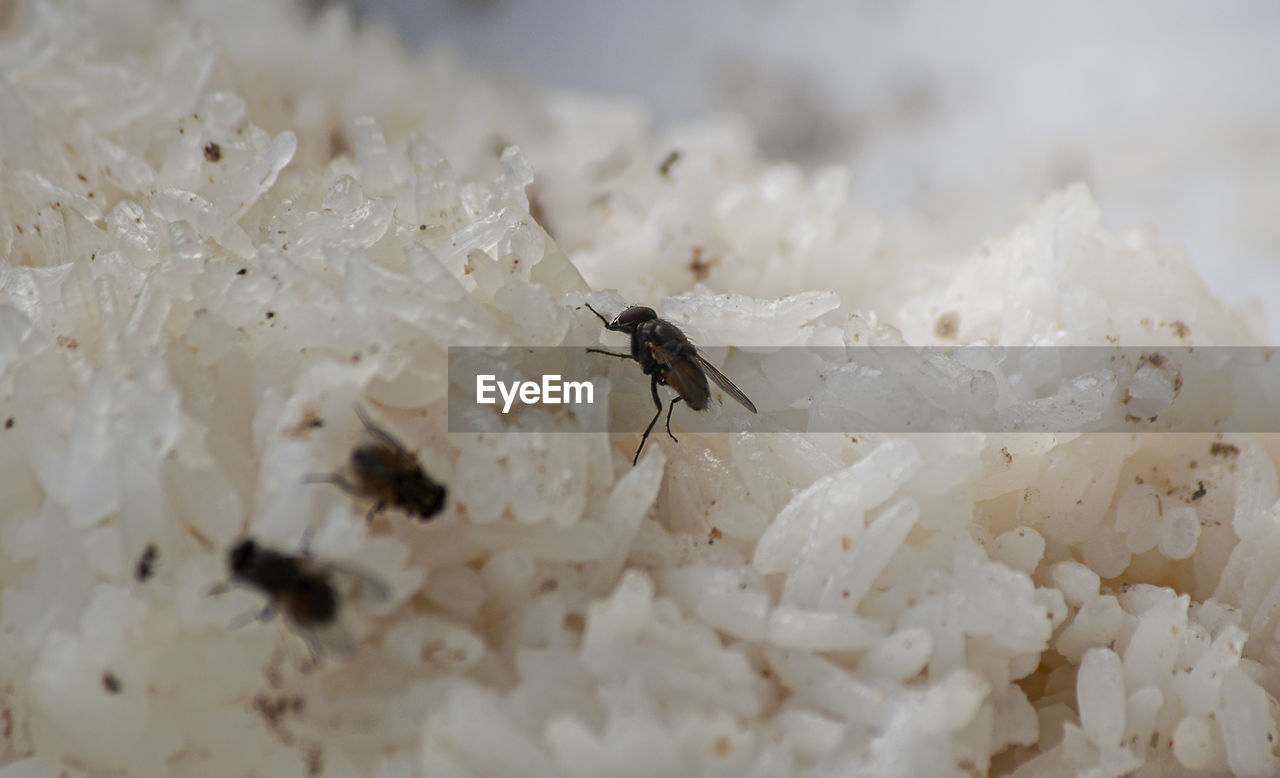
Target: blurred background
(958, 113)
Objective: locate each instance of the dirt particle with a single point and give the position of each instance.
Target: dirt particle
(1224, 450)
(1004, 452)
(1199, 492)
(242, 271)
(846, 542)
(722, 745)
(338, 144)
(664, 167)
(699, 267)
(315, 760)
(8, 423)
(310, 420)
(947, 325)
(274, 708)
(212, 151)
(111, 683)
(714, 535)
(271, 314)
(65, 341)
(1180, 328)
(146, 563)
(272, 675)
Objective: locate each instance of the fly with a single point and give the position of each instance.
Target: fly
(669, 359)
(386, 472)
(308, 592)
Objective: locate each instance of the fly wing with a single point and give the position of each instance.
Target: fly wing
(684, 376)
(333, 640)
(378, 433)
(724, 383)
(353, 585)
(336, 638)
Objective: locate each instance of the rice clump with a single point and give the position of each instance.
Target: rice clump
(225, 227)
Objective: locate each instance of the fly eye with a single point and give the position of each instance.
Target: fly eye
(636, 313)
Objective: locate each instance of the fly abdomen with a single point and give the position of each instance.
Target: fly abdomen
(312, 602)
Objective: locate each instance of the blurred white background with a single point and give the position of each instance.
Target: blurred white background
(959, 113)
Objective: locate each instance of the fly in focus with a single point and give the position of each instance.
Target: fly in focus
(386, 472)
(669, 359)
(309, 593)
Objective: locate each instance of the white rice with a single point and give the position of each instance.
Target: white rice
(747, 605)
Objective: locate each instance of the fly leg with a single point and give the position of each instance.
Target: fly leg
(265, 613)
(653, 387)
(340, 481)
(337, 479)
(304, 547)
(671, 407)
(608, 353)
(218, 589)
(315, 647)
(598, 315)
(607, 326)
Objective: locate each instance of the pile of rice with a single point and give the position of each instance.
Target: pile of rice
(225, 226)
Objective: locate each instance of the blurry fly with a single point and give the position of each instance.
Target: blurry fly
(309, 593)
(386, 472)
(669, 359)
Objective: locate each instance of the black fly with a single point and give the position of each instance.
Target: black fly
(388, 473)
(310, 593)
(669, 359)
